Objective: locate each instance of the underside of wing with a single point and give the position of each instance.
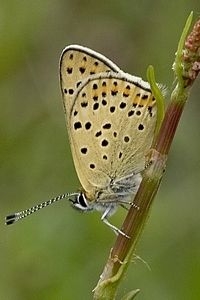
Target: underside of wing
(77, 63)
(112, 123)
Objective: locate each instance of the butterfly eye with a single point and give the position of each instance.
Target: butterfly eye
(81, 200)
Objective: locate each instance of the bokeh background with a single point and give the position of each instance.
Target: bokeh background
(59, 253)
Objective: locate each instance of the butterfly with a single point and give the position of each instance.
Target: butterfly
(111, 118)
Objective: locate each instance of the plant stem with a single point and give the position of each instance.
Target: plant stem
(186, 68)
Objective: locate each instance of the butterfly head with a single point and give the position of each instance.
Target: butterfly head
(80, 202)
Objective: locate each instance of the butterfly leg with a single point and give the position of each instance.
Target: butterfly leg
(114, 228)
(124, 204)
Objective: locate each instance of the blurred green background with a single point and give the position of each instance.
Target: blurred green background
(59, 253)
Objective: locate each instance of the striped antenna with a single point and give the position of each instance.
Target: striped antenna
(10, 219)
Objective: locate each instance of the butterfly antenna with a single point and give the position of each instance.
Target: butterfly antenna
(10, 219)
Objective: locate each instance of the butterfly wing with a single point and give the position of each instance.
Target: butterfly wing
(76, 64)
(112, 123)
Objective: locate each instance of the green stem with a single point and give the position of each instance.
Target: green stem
(122, 251)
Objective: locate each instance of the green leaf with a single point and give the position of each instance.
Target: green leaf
(178, 65)
(131, 295)
(158, 94)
